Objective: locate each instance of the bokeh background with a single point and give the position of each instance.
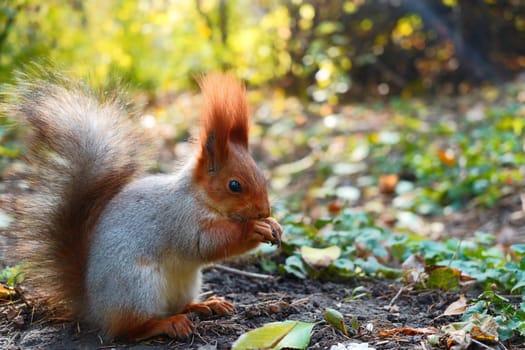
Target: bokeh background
(324, 50)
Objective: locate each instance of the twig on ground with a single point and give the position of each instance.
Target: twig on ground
(396, 296)
(502, 346)
(481, 344)
(300, 301)
(206, 294)
(242, 273)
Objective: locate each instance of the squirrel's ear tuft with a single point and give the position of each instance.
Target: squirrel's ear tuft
(225, 117)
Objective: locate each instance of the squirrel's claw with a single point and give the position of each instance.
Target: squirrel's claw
(277, 231)
(267, 231)
(181, 327)
(276, 239)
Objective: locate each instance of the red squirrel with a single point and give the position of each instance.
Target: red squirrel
(120, 250)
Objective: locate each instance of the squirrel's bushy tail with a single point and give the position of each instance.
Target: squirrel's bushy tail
(83, 150)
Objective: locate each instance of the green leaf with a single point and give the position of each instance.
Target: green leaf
(12, 275)
(276, 336)
(336, 319)
(518, 285)
(445, 278)
(321, 222)
(518, 248)
(298, 338)
(295, 266)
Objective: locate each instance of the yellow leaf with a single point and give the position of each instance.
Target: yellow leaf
(320, 257)
(266, 337)
(6, 293)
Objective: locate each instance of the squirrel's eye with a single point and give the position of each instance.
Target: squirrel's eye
(235, 186)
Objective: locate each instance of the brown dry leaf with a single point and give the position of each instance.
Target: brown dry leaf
(466, 278)
(447, 157)
(408, 331)
(487, 331)
(335, 207)
(458, 340)
(478, 334)
(459, 335)
(457, 308)
(388, 183)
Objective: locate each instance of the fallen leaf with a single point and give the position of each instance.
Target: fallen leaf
(335, 207)
(446, 278)
(388, 183)
(265, 337)
(482, 335)
(487, 330)
(276, 336)
(459, 335)
(6, 293)
(459, 340)
(298, 338)
(336, 319)
(457, 308)
(447, 157)
(320, 257)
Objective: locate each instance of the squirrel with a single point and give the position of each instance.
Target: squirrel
(118, 249)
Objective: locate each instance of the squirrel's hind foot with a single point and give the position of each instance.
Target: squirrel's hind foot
(213, 305)
(178, 326)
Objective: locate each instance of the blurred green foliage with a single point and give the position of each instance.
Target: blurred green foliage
(151, 44)
(449, 162)
(324, 49)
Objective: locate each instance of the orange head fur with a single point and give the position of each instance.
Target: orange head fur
(233, 185)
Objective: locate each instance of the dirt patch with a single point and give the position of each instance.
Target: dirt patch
(260, 301)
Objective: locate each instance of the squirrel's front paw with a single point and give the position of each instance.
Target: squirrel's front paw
(277, 230)
(268, 230)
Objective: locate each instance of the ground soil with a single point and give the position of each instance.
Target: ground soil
(257, 302)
